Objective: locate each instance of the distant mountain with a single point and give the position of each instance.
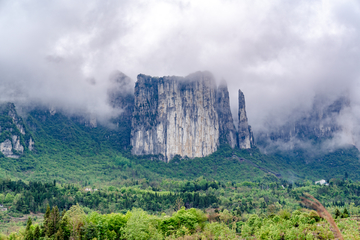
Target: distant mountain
(185, 122)
(14, 135)
(305, 129)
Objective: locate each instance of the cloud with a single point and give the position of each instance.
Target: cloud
(280, 53)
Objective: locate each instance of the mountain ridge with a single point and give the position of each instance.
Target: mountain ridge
(66, 147)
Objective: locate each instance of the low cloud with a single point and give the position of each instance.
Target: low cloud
(281, 54)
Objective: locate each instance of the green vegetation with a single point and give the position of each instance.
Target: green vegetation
(70, 152)
(264, 210)
(110, 194)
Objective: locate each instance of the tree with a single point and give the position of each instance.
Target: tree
(28, 233)
(64, 229)
(178, 204)
(345, 214)
(28, 224)
(45, 227)
(337, 213)
(37, 233)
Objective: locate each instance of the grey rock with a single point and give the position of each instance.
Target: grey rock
(16, 144)
(245, 136)
(31, 144)
(228, 133)
(13, 124)
(16, 119)
(52, 110)
(6, 148)
(175, 116)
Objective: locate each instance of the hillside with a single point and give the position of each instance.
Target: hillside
(69, 151)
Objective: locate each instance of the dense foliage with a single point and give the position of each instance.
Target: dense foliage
(35, 196)
(68, 150)
(248, 208)
(110, 194)
(184, 223)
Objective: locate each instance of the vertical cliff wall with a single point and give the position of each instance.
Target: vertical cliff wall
(226, 123)
(245, 136)
(184, 116)
(175, 115)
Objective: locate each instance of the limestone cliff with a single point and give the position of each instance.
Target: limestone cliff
(187, 116)
(175, 116)
(245, 136)
(13, 138)
(226, 123)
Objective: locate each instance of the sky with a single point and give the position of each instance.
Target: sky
(280, 53)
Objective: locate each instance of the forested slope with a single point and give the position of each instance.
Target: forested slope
(69, 151)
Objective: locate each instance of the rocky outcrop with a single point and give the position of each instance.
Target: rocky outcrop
(315, 125)
(245, 136)
(16, 119)
(167, 116)
(228, 133)
(6, 148)
(16, 144)
(31, 144)
(13, 135)
(175, 116)
(187, 116)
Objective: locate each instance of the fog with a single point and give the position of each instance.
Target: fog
(280, 53)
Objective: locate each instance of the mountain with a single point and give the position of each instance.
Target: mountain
(245, 136)
(14, 137)
(227, 130)
(307, 129)
(184, 116)
(47, 143)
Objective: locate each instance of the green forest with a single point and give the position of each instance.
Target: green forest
(84, 183)
(197, 209)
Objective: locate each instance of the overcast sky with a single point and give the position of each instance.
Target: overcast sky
(280, 53)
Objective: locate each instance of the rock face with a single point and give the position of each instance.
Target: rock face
(31, 144)
(245, 136)
(175, 116)
(6, 148)
(181, 116)
(16, 119)
(318, 124)
(12, 132)
(167, 116)
(228, 133)
(16, 144)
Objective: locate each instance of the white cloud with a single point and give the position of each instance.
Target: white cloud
(280, 53)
